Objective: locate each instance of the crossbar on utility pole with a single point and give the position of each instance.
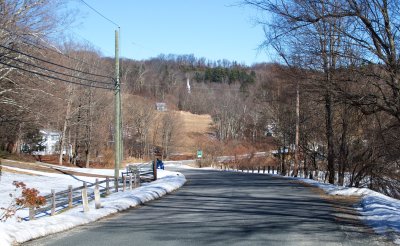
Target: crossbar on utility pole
(117, 131)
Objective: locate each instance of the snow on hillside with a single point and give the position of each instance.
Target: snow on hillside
(13, 231)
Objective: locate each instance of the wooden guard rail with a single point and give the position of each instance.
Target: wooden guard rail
(66, 199)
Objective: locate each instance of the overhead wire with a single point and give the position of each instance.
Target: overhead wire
(52, 63)
(102, 49)
(53, 77)
(42, 47)
(99, 13)
(52, 71)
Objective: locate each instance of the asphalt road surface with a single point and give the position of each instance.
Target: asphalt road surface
(225, 208)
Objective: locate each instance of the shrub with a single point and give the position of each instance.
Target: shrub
(29, 198)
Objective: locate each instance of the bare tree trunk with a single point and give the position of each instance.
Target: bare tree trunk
(18, 142)
(76, 145)
(16, 145)
(87, 152)
(89, 123)
(283, 164)
(296, 150)
(343, 152)
(66, 120)
(315, 166)
(305, 167)
(329, 137)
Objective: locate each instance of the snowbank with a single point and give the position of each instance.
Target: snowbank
(380, 212)
(12, 231)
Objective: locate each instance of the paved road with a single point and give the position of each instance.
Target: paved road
(223, 208)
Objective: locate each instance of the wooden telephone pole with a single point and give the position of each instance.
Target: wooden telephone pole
(117, 131)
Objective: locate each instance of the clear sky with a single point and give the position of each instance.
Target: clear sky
(214, 29)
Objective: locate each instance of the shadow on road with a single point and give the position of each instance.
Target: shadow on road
(225, 208)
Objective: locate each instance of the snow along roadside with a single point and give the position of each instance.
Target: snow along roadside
(380, 212)
(13, 232)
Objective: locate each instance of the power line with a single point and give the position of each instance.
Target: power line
(99, 13)
(52, 71)
(65, 55)
(104, 51)
(29, 42)
(52, 63)
(107, 52)
(53, 77)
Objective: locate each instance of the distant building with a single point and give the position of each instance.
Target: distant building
(160, 106)
(50, 143)
(270, 130)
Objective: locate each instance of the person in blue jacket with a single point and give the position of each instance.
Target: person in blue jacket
(160, 164)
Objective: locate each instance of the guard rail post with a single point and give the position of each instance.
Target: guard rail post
(31, 212)
(123, 183)
(107, 186)
(69, 196)
(53, 202)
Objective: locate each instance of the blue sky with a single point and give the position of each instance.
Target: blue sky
(214, 29)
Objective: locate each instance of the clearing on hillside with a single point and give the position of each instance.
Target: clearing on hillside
(193, 128)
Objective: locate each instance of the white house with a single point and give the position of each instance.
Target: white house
(161, 106)
(51, 141)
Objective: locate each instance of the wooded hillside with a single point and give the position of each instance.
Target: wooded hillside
(332, 104)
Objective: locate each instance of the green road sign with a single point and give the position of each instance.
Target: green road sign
(199, 154)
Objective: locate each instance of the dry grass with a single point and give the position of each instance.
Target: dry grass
(193, 128)
(43, 168)
(195, 123)
(135, 160)
(5, 169)
(347, 199)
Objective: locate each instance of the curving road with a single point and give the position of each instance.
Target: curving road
(224, 208)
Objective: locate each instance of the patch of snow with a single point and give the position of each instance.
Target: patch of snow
(12, 231)
(379, 211)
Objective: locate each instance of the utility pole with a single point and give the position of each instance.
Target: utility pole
(121, 132)
(296, 147)
(117, 131)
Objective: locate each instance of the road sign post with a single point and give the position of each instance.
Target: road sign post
(199, 154)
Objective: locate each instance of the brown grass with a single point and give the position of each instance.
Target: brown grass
(42, 168)
(193, 128)
(5, 169)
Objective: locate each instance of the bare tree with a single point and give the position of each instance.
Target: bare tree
(299, 33)
(333, 39)
(23, 25)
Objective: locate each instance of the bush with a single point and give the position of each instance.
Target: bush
(29, 198)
